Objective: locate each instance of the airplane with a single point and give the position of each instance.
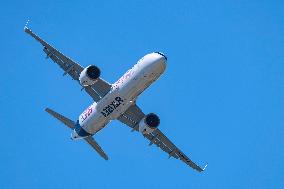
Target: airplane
(114, 101)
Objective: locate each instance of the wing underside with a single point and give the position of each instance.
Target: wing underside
(132, 118)
(70, 67)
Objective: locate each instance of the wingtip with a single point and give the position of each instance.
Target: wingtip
(26, 29)
(205, 167)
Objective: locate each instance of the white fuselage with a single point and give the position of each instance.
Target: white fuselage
(123, 94)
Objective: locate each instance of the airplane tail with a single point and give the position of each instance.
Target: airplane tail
(71, 124)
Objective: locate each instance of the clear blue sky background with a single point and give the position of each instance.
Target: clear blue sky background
(220, 99)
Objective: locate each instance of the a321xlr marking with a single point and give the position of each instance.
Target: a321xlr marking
(112, 106)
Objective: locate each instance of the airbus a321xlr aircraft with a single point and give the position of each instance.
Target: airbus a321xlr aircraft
(115, 101)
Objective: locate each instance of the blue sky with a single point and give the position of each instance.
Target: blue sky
(220, 99)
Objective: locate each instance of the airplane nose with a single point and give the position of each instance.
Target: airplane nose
(162, 54)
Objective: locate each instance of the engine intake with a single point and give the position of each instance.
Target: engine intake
(93, 72)
(149, 123)
(89, 75)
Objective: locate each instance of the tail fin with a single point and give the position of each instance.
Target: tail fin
(71, 124)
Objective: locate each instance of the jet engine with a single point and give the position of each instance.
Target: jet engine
(89, 75)
(149, 123)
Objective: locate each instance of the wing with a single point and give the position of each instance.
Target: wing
(70, 67)
(133, 116)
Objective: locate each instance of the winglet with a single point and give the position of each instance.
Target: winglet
(26, 29)
(205, 167)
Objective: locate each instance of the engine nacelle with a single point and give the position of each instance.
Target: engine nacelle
(149, 123)
(89, 75)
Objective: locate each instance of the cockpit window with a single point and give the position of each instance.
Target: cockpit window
(162, 54)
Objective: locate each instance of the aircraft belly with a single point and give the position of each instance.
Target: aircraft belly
(141, 83)
(119, 99)
(109, 108)
(95, 124)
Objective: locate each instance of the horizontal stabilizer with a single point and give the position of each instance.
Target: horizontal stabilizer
(69, 123)
(96, 146)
